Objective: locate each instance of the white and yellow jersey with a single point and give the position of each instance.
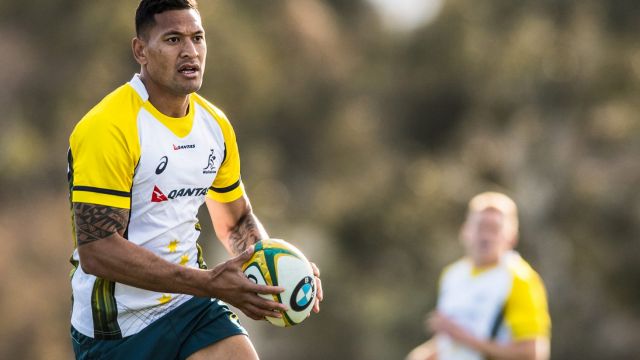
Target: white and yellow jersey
(124, 153)
(504, 303)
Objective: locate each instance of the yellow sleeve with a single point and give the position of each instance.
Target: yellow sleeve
(227, 186)
(526, 311)
(103, 153)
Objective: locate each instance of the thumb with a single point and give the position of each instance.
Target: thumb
(246, 255)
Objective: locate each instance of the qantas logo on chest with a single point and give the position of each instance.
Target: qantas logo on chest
(181, 147)
(158, 196)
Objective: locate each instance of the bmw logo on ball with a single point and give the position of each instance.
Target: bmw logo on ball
(302, 295)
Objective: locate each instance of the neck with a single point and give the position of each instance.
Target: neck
(169, 104)
(484, 263)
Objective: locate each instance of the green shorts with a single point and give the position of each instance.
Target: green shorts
(190, 327)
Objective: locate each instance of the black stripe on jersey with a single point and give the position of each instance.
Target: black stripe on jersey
(226, 189)
(102, 191)
(497, 323)
(73, 216)
(70, 169)
(126, 231)
(224, 157)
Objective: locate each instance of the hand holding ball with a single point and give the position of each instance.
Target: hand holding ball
(275, 262)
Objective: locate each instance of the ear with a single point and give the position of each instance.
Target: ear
(513, 241)
(138, 46)
(464, 232)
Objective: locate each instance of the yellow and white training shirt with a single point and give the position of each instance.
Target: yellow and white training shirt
(504, 303)
(124, 153)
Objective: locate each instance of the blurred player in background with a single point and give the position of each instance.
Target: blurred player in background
(141, 163)
(491, 303)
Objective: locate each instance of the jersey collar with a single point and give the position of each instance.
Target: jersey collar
(138, 86)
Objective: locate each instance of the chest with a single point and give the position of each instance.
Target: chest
(474, 300)
(175, 167)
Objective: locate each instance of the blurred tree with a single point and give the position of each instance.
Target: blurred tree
(362, 145)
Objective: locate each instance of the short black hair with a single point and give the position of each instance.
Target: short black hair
(145, 14)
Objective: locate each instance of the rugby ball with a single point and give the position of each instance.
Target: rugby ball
(275, 262)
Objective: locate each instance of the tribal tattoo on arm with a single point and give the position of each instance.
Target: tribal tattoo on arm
(95, 222)
(248, 232)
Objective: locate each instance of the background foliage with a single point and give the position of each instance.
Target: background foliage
(361, 145)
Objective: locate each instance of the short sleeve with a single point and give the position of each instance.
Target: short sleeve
(227, 186)
(526, 311)
(102, 157)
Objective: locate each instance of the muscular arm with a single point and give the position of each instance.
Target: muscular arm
(530, 349)
(105, 253)
(424, 351)
(238, 228)
(235, 224)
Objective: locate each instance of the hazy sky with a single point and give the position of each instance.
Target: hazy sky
(407, 14)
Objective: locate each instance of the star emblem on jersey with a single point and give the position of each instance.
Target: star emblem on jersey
(173, 246)
(158, 196)
(165, 298)
(211, 166)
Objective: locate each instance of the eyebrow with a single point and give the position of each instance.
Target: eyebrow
(180, 33)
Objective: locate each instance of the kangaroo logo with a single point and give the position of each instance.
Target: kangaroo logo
(211, 166)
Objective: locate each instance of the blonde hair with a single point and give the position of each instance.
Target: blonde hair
(496, 201)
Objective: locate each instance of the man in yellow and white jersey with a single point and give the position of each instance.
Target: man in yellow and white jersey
(491, 303)
(141, 163)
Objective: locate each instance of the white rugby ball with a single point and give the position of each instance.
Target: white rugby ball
(276, 262)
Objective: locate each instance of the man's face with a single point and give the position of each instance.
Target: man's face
(485, 237)
(175, 52)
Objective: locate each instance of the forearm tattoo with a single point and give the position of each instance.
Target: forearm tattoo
(95, 222)
(245, 234)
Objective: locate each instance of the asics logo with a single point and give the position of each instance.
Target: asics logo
(163, 165)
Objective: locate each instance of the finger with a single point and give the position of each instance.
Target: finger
(316, 270)
(252, 312)
(427, 320)
(245, 255)
(319, 296)
(264, 289)
(319, 292)
(266, 304)
(261, 312)
(434, 324)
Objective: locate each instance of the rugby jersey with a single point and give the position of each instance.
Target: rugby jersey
(124, 153)
(504, 303)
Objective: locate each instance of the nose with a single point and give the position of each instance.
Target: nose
(189, 49)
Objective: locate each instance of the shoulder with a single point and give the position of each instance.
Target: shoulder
(526, 309)
(212, 110)
(117, 109)
(528, 289)
(521, 270)
(455, 269)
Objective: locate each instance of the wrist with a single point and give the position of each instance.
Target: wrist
(482, 346)
(193, 281)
